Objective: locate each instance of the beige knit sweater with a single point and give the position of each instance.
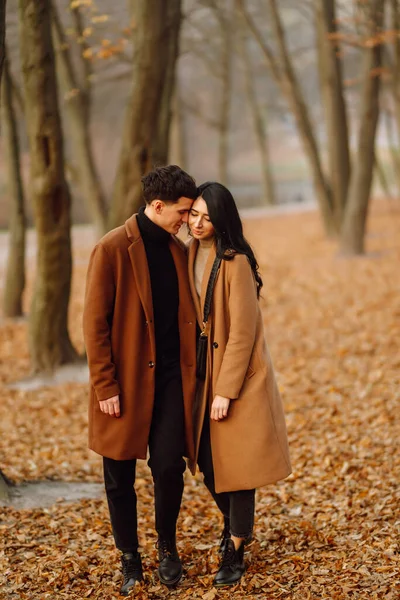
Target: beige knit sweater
(200, 262)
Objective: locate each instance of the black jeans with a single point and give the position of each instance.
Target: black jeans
(237, 507)
(166, 449)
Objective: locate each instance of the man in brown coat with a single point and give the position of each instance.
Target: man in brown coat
(140, 336)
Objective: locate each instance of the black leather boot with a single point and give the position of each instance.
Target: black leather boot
(131, 570)
(170, 567)
(225, 535)
(232, 565)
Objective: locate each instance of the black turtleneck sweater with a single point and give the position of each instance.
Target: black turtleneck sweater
(164, 288)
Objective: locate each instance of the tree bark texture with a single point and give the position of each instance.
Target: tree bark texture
(4, 487)
(162, 137)
(15, 271)
(392, 136)
(152, 36)
(178, 145)
(395, 70)
(294, 94)
(260, 128)
(285, 77)
(2, 33)
(225, 21)
(49, 340)
(382, 177)
(335, 107)
(77, 107)
(355, 217)
(4, 491)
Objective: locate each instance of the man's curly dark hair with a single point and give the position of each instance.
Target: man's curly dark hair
(169, 184)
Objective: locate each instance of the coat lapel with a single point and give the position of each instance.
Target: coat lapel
(137, 255)
(206, 277)
(194, 244)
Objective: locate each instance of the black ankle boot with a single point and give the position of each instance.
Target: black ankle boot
(170, 567)
(232, 565)
(131, 570)
(225, 535)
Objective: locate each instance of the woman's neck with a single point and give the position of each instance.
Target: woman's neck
(207, 243)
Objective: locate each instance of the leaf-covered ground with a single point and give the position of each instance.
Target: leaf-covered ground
(331, 530)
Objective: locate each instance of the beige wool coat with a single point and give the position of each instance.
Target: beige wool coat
(118, 325)
(250, 446)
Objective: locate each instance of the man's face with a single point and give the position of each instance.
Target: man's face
(171, 215)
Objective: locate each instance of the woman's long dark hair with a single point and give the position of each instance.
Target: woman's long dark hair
(225, 219)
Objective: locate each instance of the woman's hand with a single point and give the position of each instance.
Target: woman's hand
(110, 406)
(219, 408)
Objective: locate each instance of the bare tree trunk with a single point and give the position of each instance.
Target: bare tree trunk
(15, 271)
(86, 65)
(224, 16)
(149, 69)
(396, 64)
(78, 112)
(2, 33)
(321, 45)
(17, 94)
(5, 485)
(50, 344)
(393, 147)
(4, 489)
(355, 217)
(173, 25)
(260, 128)
(335, 107)
(285, 77)
(178, 132)
(382, 178)
(395, 71)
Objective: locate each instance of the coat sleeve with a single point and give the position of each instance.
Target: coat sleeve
(97, 317)
(243, 310)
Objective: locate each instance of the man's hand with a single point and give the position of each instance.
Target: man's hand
(219, 408)
(110, 406)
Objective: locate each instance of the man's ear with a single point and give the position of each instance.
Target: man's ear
(158, 206)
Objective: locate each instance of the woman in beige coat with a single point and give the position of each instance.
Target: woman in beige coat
(240, 433)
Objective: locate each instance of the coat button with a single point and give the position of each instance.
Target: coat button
(215, 344)
(151, 364)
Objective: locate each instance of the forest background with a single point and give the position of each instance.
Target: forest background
(295, 106)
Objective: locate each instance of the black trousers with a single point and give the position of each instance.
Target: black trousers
(166, 449)
(237, 507)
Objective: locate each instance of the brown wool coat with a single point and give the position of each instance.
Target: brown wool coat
(119, 336)
(249, 447)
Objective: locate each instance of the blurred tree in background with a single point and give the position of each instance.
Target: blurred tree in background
(2, 33)
(77, 88)
(15, 273)
(280, 101)
(3, 482)
(50, 344)
(343, 190)
(146, 128)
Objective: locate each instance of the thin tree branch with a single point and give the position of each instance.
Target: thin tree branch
(266, 50)
(195, 111)
(79, 28)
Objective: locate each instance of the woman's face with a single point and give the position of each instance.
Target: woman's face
(199, 222)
